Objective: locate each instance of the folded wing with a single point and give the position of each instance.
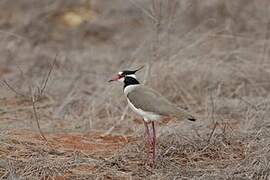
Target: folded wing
(149, 100)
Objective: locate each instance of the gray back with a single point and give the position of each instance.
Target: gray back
(147, 99)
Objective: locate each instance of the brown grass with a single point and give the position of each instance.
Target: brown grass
(209, 56)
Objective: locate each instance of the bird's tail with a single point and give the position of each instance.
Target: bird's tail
(191, 118)
(182, 114)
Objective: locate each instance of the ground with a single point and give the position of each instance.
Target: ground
(210, 57)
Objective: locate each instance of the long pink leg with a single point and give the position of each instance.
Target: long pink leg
(147, 134)
(151, 143)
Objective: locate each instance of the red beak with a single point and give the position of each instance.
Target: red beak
(115, 78)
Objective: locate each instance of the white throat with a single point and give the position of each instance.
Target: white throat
(131, 75)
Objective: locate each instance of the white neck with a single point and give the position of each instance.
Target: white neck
(129, 88)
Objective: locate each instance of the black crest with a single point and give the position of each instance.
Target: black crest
(129, 72)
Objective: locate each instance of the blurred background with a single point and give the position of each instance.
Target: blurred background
(209, 56)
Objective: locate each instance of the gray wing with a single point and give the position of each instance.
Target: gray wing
(149, 100)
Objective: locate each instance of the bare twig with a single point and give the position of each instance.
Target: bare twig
(265, 45)
(156, 16)
(212, 118)
(37, 118)
(34, 95)
(144, 10)
(118, 122)
(212, 132)
(48, 75)
(69, 97)
(11, 88)
(246, 102)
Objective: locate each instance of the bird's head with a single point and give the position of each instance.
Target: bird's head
(123, 74)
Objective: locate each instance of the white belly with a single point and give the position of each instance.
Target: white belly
(147, 116)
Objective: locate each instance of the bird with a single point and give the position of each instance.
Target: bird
(149, 104)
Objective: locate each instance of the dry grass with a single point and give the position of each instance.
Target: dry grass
(210, 56)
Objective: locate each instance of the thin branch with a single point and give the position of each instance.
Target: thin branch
(11, 88)
(212, 132)
(118, 122)
(47, 77)
(36, 117)
(265, 45)
(145, 11)
(212, 118)
(246, 102)
(34, 94)
(20, 69)
(147, 72)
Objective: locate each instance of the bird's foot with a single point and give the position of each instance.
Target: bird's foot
(151, 164)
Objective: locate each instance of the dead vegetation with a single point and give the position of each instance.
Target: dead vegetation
(209, 56)
(86, 156)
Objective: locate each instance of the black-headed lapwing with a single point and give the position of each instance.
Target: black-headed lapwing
(150, 105)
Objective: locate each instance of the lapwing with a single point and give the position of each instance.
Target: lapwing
(149, 104)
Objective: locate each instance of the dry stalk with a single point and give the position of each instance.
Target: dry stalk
(246, 102)
(212, 118)
(265, 45)
(156, 16)
(36, 117)
(10, 87)
(147, 12)
(121, 119)
(34, 95)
